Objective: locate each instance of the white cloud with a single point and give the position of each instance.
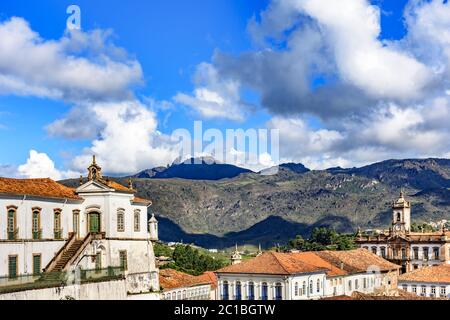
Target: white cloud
(351, 29)
(128, 141)
(39, 165)
(79, 66)
(214, 98)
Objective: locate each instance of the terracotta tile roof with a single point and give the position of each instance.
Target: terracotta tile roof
(209, 277)
(46, 188)
(143, 201)
(434, 274)
(274, 263)
(116, 186)
(170, 279)
(356, 261)
(314, 259)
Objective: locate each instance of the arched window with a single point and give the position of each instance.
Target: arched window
(179, 295)
(238, 294)
(399, 217)
(36, 223)
(120, 220)
(318, 285)
(174, 296)
(296, 289)
(12, 223)
(57, 224)
(264, 291)
(278, 291)
(184, 295)
(251, 291)
(137, 220)
(225, 291)
(304, 288)
(311, 289)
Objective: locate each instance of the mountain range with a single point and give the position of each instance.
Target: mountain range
(216, 205)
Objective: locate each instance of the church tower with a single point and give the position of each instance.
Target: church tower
(236, 257)
(401, 215)
(95, 171)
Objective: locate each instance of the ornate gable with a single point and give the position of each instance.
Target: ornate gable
(93, 187)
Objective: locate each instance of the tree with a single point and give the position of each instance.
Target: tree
(323, 239)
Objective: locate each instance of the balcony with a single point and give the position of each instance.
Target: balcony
(37, 235)
(58, 279)
(13, 235)
(58, 234)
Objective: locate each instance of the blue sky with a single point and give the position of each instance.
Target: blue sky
(170, 39)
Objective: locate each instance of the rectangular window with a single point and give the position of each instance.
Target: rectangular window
(405, 287)
(436, 253)
(120, 221)
(424, 290)
(57, 225)
(416, 253)
(76, 222)
(36, 224)
(383, 252)
(12, 267)
(443, 292)
(123, 260)
(37, 264)
(414, 289)
(137, 221)
(425, 254)
(11, 225)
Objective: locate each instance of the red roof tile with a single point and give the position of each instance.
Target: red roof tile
(209, 277)
(274, 263)
(357, 261)
(171, 279)
(46, 188)
(434, 274)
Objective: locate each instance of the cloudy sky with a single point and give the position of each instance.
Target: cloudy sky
(346, 82)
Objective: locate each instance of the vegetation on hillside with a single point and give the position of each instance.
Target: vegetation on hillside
(323, 239)
(190, 260)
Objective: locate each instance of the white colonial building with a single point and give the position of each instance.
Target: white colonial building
(46, 228)
(306, 276)
(432, 281)
(410, 250)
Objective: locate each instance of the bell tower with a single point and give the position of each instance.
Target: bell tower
(401, 215)
(94, 171)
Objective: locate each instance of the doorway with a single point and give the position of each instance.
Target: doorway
(94, 222)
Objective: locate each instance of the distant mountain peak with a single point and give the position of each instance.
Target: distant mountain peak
(201, 168)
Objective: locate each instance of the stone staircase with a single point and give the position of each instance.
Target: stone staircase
(67, 255)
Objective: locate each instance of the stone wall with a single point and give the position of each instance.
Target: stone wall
(110, 290)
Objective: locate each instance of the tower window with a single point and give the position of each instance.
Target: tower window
(120, 221)
(137, 220)
(399, 217)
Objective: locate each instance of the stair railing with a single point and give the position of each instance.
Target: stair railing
(86, 241)
(60, 253)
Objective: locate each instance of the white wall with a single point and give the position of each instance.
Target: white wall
(428, 288)
(201, 292)
(140, 252)
(288, 285)
(111, 290)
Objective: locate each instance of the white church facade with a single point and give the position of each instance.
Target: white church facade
(400, 245)
(48, 228)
